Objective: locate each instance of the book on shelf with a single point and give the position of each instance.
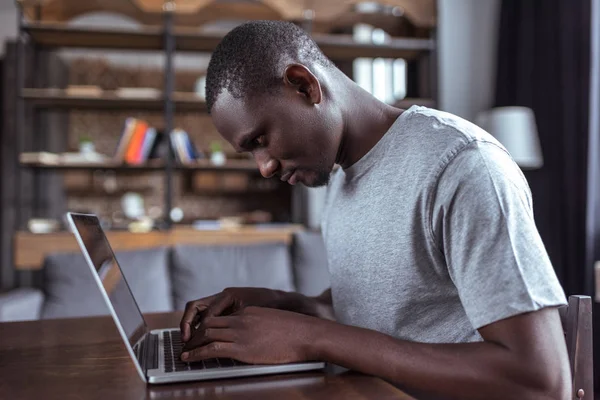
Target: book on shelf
(140, 142)
(183, 147)
(148, 144)
(128, 130)
(134, 150)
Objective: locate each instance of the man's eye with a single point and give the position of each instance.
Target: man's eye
(258, 141)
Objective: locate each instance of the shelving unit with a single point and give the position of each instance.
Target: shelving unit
(108, 100)
(42, 36)
(337, 47)
(52, 36)
(201, 165)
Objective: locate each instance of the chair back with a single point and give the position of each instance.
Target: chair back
(576, 320)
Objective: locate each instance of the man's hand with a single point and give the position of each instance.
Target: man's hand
(232, 300)
(253, 335)
(229, 301)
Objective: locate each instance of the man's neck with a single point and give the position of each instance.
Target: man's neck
(366, 121)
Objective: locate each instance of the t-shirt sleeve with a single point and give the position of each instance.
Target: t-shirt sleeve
(482, 221)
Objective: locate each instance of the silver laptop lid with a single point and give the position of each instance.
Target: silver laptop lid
(112, 283)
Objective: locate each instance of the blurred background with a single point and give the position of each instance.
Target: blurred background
(102, 111)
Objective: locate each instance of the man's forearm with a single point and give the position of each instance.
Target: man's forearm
(319, 306)
(480, 370)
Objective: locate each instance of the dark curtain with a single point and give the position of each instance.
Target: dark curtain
(543, 63)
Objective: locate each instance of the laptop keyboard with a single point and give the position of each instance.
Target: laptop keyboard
(173, 363)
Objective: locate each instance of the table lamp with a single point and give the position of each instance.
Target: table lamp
(516, 129)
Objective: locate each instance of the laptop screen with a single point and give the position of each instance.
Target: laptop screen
(106, 266)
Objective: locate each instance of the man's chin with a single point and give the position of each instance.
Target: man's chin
(315, 179)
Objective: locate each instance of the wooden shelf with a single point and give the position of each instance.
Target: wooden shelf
(202, 165)
(95, 192)
(109, 100)
(93, 166)
(196, 13)
(340, 47)
(408, 102)
(59, 99)
(30, 249)
(60, 35)
(230, 166)
(149, 38)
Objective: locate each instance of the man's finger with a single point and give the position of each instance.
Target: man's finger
(221, 303)
(199, 337)
(191, 312)
(205, 336)
(211, 350)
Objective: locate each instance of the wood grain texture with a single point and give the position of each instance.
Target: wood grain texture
(66, 10)
(108, 100)
(85, 358)
(31, 249)
(334, 46)
(197, 12)
(577, 322)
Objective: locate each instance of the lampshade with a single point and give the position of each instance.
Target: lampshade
(516, 129)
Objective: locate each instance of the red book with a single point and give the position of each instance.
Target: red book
(134, 150)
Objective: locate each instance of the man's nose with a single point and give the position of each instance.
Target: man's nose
(268, 166)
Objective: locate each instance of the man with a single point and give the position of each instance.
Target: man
(440, 282)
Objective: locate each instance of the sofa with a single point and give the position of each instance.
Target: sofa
(165, 278)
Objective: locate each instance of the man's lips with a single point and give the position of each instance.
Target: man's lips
(292, 180)
(286, 176)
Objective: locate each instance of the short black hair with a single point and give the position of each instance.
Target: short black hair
(247, 59)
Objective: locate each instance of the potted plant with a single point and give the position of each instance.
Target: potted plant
(86, 145)
(217, 156)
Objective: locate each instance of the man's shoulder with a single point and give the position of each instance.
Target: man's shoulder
(443, 124)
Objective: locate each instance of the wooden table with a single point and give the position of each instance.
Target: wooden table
(85, 359)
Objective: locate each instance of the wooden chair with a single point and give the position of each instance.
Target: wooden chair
(576, 320)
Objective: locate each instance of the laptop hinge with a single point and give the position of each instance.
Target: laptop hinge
(139, 349)
(150, 350)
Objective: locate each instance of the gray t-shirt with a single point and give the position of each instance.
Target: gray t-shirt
(431, 235)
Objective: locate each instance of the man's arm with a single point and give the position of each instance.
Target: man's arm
(320, 306)
(522, 357)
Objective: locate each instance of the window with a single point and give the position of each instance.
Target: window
(384, 78)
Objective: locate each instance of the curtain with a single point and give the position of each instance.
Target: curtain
(544, 64)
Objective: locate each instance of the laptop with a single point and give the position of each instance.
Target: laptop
(155, 353)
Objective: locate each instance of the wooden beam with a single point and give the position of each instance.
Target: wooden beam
(31, 249)
(340, 47)
(232, 165)
(66, 10)
(422, 13)
(109, 100)
(336, 47)
(61, 35)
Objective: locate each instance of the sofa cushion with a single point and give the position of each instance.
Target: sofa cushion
(22, 304)
(310, 263)
(200, 271)
(71, 290)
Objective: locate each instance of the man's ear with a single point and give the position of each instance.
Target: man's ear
(300, 78)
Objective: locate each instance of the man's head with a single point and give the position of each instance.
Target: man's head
(267, 89)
